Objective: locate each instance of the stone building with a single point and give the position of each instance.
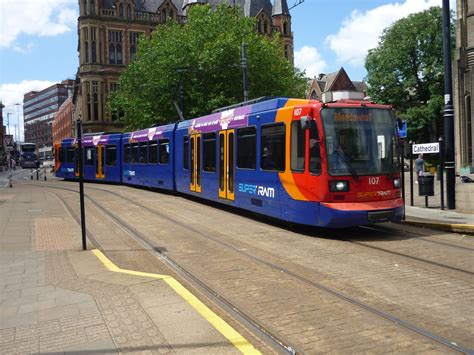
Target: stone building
(108, 36)
(463, 88)
(63, 123)
(335, 86)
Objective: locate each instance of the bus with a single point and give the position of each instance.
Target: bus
(28, 156)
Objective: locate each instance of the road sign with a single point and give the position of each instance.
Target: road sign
(427, 148)
(8, 139)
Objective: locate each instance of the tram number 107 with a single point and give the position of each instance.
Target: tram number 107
(375, 180)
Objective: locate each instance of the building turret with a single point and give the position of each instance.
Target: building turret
(281, 19)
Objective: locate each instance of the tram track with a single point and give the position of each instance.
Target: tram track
(333, 292)
(419, 236)
(266, 335)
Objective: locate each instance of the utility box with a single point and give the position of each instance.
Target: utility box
(426, 185)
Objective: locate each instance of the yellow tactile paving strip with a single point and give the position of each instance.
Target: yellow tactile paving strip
(52, 234)
(222, 326)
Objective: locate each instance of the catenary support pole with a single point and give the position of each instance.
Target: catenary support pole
(448, 110)
(245, 72)
(441, 168)
(81, 182)
(402, 173)
(411, 174)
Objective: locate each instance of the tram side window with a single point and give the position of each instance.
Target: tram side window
(126, 153)
(186, 153)
(272, 150)
(164, 146)
(89, 156)
(247, 148)
(62, 155)
(298, 145)
(314, 149)
(143, 153)
(153, 152)
(135, 153)
(209, 152)
(70, 155)
(111, 155)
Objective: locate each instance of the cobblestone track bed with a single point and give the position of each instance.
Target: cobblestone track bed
(137, 257)
(234, 283)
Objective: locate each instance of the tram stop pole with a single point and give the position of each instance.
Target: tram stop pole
(81, 182)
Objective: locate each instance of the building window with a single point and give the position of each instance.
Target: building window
(95, 95)
(121, 10)
(129, 12)
(114, 87)
(115, 47)
(265, 27)
(247, 148)
(259, 26)
(89, 109)
(286, 51)
(92, 7)
(285, 28)
(85, 34)
(133, 38)
(94, 45)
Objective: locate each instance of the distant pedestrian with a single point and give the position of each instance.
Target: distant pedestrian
(419, 166)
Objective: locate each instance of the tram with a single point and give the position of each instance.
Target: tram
(329, 164)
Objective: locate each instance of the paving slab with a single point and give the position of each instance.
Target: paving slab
(54, 297)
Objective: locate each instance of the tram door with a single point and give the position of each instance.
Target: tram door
(195, 176)
(100, 161)
(226, 164)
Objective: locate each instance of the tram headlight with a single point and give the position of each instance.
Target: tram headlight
(397, 183)
(339, 186)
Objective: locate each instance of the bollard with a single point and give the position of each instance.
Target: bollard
(45, 179)
(37, 174)
(31, 174)
(10, 180)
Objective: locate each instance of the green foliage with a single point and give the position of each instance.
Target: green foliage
(206, 53)
(407, 71)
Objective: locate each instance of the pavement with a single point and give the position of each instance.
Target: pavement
(56, 298)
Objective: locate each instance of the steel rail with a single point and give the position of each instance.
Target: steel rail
(385, 315)
(266, 335)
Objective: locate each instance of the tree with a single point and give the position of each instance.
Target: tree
(407, 71)
(205, 53)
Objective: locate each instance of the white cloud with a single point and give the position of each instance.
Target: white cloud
(309, 59)
(36, 18)
(362, 30)
(10, 95)
(23, 49)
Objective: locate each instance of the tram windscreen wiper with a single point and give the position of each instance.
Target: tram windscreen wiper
(348, 163)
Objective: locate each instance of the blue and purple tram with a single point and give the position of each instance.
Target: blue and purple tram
(323, 164)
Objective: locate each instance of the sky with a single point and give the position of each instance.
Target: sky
(38, 41)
